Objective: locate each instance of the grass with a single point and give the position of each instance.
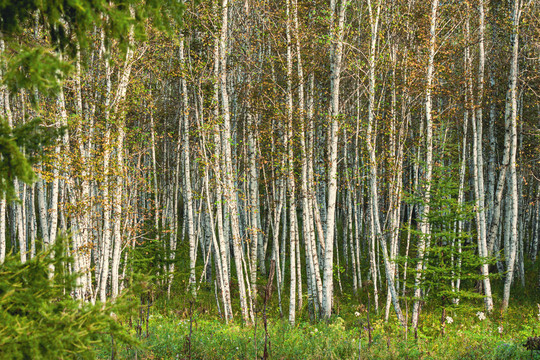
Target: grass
(467, 335)
(343, 337)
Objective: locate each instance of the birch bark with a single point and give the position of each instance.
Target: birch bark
(119, 188)
(336, 54)
(478, 160)
(230, 194)
(424, 224)
(511, 112)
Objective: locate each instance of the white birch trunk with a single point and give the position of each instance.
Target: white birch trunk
(478, 161)
(230, 194)
(336, 53)
(119, 188)
(106, 233)
(3, 203)
(288, 140)
(424, 224)
(187, 176)
(513, 187)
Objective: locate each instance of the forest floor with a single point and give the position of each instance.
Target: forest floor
(170, 330)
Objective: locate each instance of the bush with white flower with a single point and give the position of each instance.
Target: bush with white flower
(481, 316)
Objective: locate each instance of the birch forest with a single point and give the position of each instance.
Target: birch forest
(258, 160)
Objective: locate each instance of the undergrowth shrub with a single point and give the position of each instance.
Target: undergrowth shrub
(40, 320)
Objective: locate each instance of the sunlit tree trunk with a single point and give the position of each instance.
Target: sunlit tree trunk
(424, 222)
(290, 172)
(397, 143)
(119, 186)
(106, 201)
(4, 96)
(456, 255)
(511, 113)
(187, 174)
(336, 54)
(218, 168)
(478, 157)
(376, 230)
(228, 171)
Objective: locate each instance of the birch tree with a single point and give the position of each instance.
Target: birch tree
(337, 24)
(423, 242)
(511, 121)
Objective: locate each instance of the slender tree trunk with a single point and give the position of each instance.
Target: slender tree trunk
(336, 54)
(4, 96)
(376, 231)
(425, 232)
(106, 234)
(230, 194)
(456, 259)
(187, 176)
(223, 241)
(119, 188)
(290, 173)
(511, 113)
(478, 159)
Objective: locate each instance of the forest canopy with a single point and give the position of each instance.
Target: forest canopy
(382, 150)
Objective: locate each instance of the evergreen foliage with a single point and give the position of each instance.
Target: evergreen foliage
(452, 253)
(68, 24)
(38, 317)
(20, 147)
(41, 69)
